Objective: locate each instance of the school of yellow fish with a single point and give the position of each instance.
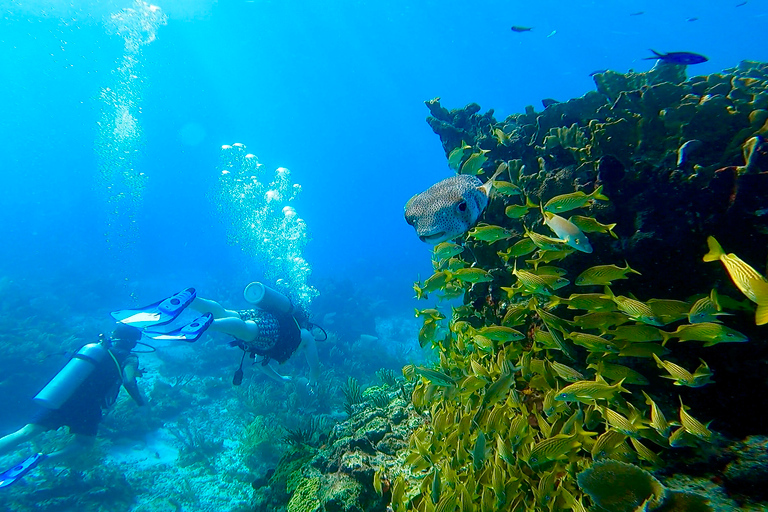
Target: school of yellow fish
(533, 388)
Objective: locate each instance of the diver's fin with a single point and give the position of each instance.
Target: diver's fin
(159, 313)
(190, 332)
(19, 470)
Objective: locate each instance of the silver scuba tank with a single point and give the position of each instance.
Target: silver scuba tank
(267, 299)
(64, 383)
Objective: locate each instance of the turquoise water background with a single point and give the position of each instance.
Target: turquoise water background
(332, 90)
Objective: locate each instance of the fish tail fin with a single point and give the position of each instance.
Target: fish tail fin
(619, 386)
(608, 293)
(544, 217)
(761, 315)
(530, 204)
(656, 55)
(715, 250)
(488, 185)
(610, 230)
(715, 300)
(665, 337)
(630, 270)
(555, 301)
(598, 194)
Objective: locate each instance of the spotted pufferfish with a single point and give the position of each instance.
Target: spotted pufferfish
(448, 208)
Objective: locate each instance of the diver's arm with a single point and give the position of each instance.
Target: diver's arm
(272, 373)
(309, 346)
(129, 380)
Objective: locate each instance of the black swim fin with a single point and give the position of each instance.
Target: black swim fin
(190, 332)
(159, 313)
(19, 470)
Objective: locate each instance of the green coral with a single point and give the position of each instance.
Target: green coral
(618, 487)
(305, 497)
(257, 445)
(501, 430)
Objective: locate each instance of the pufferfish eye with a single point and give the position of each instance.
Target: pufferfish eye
(463, 206)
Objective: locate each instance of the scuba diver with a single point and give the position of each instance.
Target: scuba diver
(75, 397)
(273, 331)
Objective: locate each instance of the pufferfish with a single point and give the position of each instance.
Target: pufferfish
(449, 208)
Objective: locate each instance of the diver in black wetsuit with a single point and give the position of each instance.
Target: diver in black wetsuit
(75, 397)
(273, 331)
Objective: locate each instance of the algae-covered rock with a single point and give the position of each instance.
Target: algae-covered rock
(677, 501)
(339, 476)
(748, 473)
(619, 487)
(304, 498)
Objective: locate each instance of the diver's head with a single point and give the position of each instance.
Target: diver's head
(125, 336)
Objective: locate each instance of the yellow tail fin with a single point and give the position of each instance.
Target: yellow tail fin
(715, 251)
(761, 315)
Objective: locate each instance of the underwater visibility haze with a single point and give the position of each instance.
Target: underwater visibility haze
(570, 195)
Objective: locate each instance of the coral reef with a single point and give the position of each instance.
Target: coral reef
(543, 400)
(629, 137)
(527, 392)
(338, 475)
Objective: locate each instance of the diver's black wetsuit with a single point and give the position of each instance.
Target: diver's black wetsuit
(279, 335)
(82, 411)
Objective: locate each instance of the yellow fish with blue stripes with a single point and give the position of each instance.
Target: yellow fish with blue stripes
(747, 279)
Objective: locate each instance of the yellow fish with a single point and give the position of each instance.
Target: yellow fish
(567, 202)
(516, 211)
(446, 250)
(587, 301)
(706, 309)
(567, 231)
(708, 332)
(603, 275)
(507, 188)
(638, 333)
(692, 425)
(473, 275)
(601, 320)
(635, 309)
(590, 225)
(489, 233)
(545, 243)
(554, 448)
(747, 279)
(435, 282)
(669, 311)
(533, 283)
(586, 391)
(618, 372)
(683, 377)
(658, 421)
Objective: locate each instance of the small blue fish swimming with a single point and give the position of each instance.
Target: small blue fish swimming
(448, 208)
(680, 58)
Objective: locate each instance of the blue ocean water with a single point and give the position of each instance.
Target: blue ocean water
(333, 91)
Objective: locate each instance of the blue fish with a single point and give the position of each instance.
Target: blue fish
(680, 58)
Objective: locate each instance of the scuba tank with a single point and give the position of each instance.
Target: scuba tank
(267, 299)
(65, 383)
